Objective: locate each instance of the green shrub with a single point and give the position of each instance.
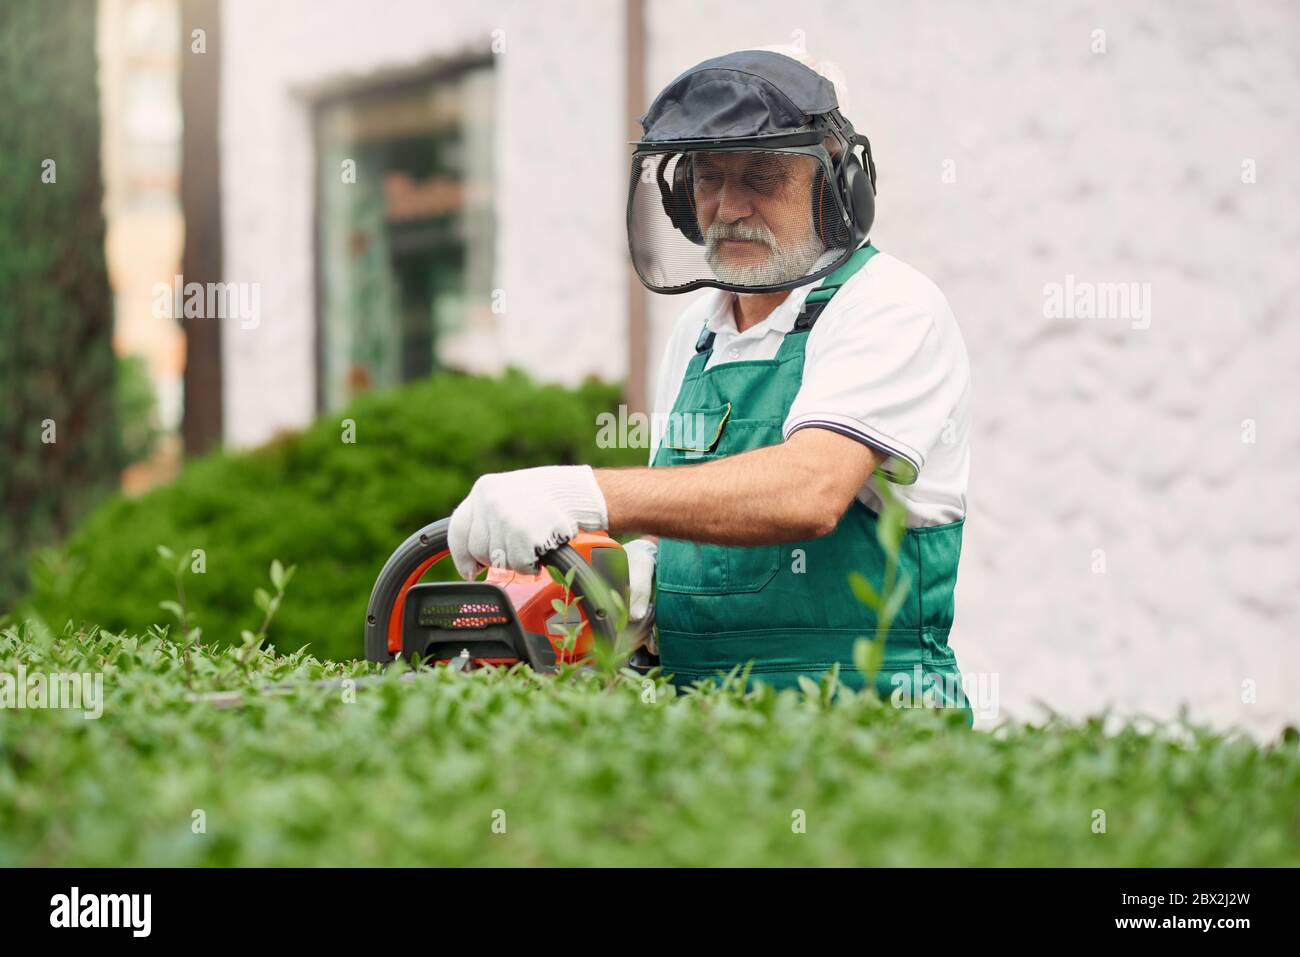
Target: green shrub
(574, 771)
(334, 509)
(56, 311)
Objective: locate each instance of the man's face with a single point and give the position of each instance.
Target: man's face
(755, 212)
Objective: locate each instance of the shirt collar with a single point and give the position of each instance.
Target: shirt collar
(721, 318)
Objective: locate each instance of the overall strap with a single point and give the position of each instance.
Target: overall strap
(819, 297)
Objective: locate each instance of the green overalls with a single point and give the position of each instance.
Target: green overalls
(788, 608)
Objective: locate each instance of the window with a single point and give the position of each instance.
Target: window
(405, 226)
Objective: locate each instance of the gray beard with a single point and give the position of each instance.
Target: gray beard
(783, 264)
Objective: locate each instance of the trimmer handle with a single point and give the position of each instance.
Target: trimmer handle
(407, 565)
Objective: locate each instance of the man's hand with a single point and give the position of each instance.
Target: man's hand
(510, 519)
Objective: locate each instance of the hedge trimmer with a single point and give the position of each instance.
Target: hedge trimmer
(543, 620)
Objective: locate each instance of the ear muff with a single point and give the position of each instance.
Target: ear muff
(679, 200)
(684, 197)
(859, 198)
(859, 187)
(826, 213)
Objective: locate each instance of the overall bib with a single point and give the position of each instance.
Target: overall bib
(788, 608)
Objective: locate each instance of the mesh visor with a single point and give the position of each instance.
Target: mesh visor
(747, 220)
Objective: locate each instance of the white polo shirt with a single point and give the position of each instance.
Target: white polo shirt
(884, 364)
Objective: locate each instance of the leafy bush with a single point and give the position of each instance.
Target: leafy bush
(416, 768)
(334, 509)
(56, 310)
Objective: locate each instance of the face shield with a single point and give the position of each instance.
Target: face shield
(735, 217)
(746, 179)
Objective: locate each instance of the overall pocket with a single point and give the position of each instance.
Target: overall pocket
(691, 568)
(692, 435)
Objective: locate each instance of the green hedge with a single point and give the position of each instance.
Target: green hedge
(334, 509)
(490, 768)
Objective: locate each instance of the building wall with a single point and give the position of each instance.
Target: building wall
(1126, 546)
(559, 115)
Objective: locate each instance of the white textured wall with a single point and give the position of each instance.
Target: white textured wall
(1123, 166)
(560, 180)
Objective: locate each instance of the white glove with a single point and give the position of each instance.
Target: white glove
(641, 555)
(510, 519)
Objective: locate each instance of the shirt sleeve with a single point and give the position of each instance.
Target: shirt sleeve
(879, 371)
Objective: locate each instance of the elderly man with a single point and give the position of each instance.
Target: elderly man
(812, 362)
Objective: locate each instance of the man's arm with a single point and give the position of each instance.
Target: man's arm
(782, 493)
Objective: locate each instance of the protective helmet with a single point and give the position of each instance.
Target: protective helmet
(746, 178)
